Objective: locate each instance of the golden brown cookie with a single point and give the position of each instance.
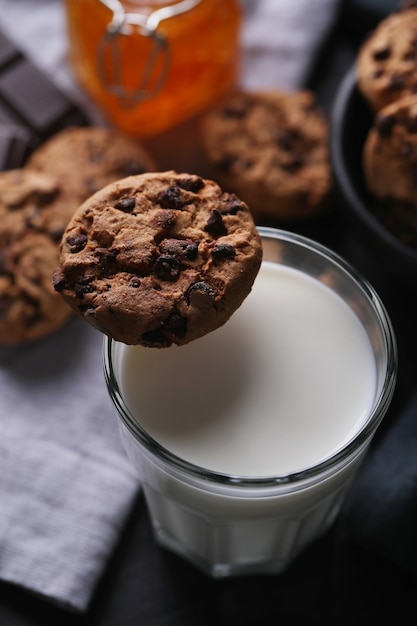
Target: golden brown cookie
(29, 307)
(271, 149)
(390, 165)
(386, 65)
(159, 258)
(85, 159)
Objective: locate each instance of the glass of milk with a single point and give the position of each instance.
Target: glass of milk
(246, 440)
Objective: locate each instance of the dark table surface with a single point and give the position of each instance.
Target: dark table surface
(334, 581)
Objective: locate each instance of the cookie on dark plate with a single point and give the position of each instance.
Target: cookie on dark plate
(386, 64)
(390, 165)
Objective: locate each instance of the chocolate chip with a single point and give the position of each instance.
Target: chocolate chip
(215, 225)
(201, 295)
(232, 204)
(176, 325)
(223, 251)
(384, 124)
(126, 204)
(167, 267)
(381, 54)
(77, 242)
(171, 198)
(180, 248)
(193, 183)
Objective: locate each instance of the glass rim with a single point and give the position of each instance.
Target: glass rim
(343, 454)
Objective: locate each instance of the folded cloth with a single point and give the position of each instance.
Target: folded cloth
(65, 484)
(380, 513)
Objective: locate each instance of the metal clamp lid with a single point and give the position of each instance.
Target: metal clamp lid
(123, 23)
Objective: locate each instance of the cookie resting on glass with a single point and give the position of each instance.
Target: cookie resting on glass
(159, 258)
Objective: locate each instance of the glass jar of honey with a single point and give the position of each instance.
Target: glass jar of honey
(149, 65)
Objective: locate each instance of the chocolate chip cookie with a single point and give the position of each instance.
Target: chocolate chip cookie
(159, 258)
(29, 251)
(386, 65)
(390, 165)
(271, 149)
(85, 159)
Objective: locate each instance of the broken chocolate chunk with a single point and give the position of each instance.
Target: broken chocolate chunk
(215, 225)
(126, 204)
(167, 267)
(201, 295)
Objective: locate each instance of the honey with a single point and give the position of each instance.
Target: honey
(151, 65)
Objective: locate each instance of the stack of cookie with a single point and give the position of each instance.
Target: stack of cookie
(387, 78)
(271, 149)
(36, 203)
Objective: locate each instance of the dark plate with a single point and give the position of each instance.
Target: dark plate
(350, 122)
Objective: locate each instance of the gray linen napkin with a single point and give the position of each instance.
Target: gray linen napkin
(65, 484)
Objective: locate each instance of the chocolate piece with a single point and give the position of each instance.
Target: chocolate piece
(223, 251)
(215, 225)
(126, 204)
(31, 107)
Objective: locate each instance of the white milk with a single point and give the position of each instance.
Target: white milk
(284, 384)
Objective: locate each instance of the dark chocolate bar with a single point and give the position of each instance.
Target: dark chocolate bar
(31, 107)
